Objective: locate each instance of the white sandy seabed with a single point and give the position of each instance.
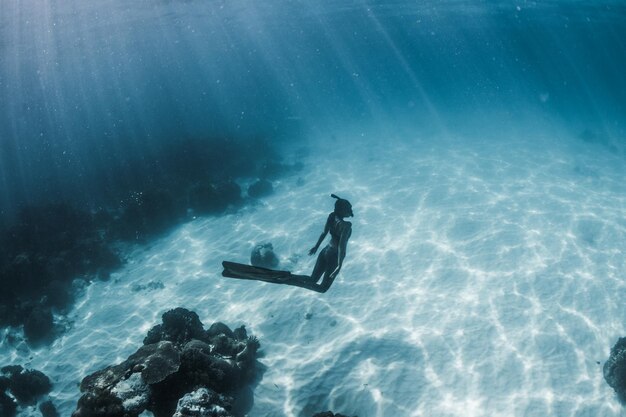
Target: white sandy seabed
(482, 279)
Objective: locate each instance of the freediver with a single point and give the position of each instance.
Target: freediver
(328, 264)
(330, 259)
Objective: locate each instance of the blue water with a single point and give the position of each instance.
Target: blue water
(84, 86)
(482, 144)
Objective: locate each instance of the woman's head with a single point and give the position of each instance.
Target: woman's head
(343, 208)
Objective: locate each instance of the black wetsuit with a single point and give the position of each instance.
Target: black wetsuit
(328, 260)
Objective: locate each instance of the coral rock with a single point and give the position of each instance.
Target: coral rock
(203, 403)
(214, 364)
(48, 409)
(615, 369)
(134, 393)
(99, 403)
(39, 325)
(179, 327)
(156, 361)
(263, 255)
(7, 405)
(26, 385)
(218, 328)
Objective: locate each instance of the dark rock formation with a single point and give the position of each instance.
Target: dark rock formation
(48, 409)
(58, 294)
(263, 255)
(181, 369)
(229, 192)
(260, 188)
(239, 333)
(47, 245)
(99, 403)
(203, 402)
(154, 362)
(45, 249)
(26, 386)
(615, 369)
(39, 325)
(179, 327)
(7, 405)
(220, 328)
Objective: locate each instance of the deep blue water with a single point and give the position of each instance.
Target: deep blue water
(89, 88)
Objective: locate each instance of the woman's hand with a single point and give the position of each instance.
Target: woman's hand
(312, 251)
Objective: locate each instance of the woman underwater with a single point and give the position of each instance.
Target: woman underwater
(331, 258)
(328, 263)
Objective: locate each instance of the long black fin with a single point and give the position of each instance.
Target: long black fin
(249, 272)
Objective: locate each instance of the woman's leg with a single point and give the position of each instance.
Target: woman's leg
(320, 265)
(331, 265)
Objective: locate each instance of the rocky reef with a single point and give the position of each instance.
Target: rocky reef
(181, 370)
(26, 388)
(46, 249)
(615, 369)
(52, 248)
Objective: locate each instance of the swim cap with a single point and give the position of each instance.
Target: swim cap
(342, 207)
